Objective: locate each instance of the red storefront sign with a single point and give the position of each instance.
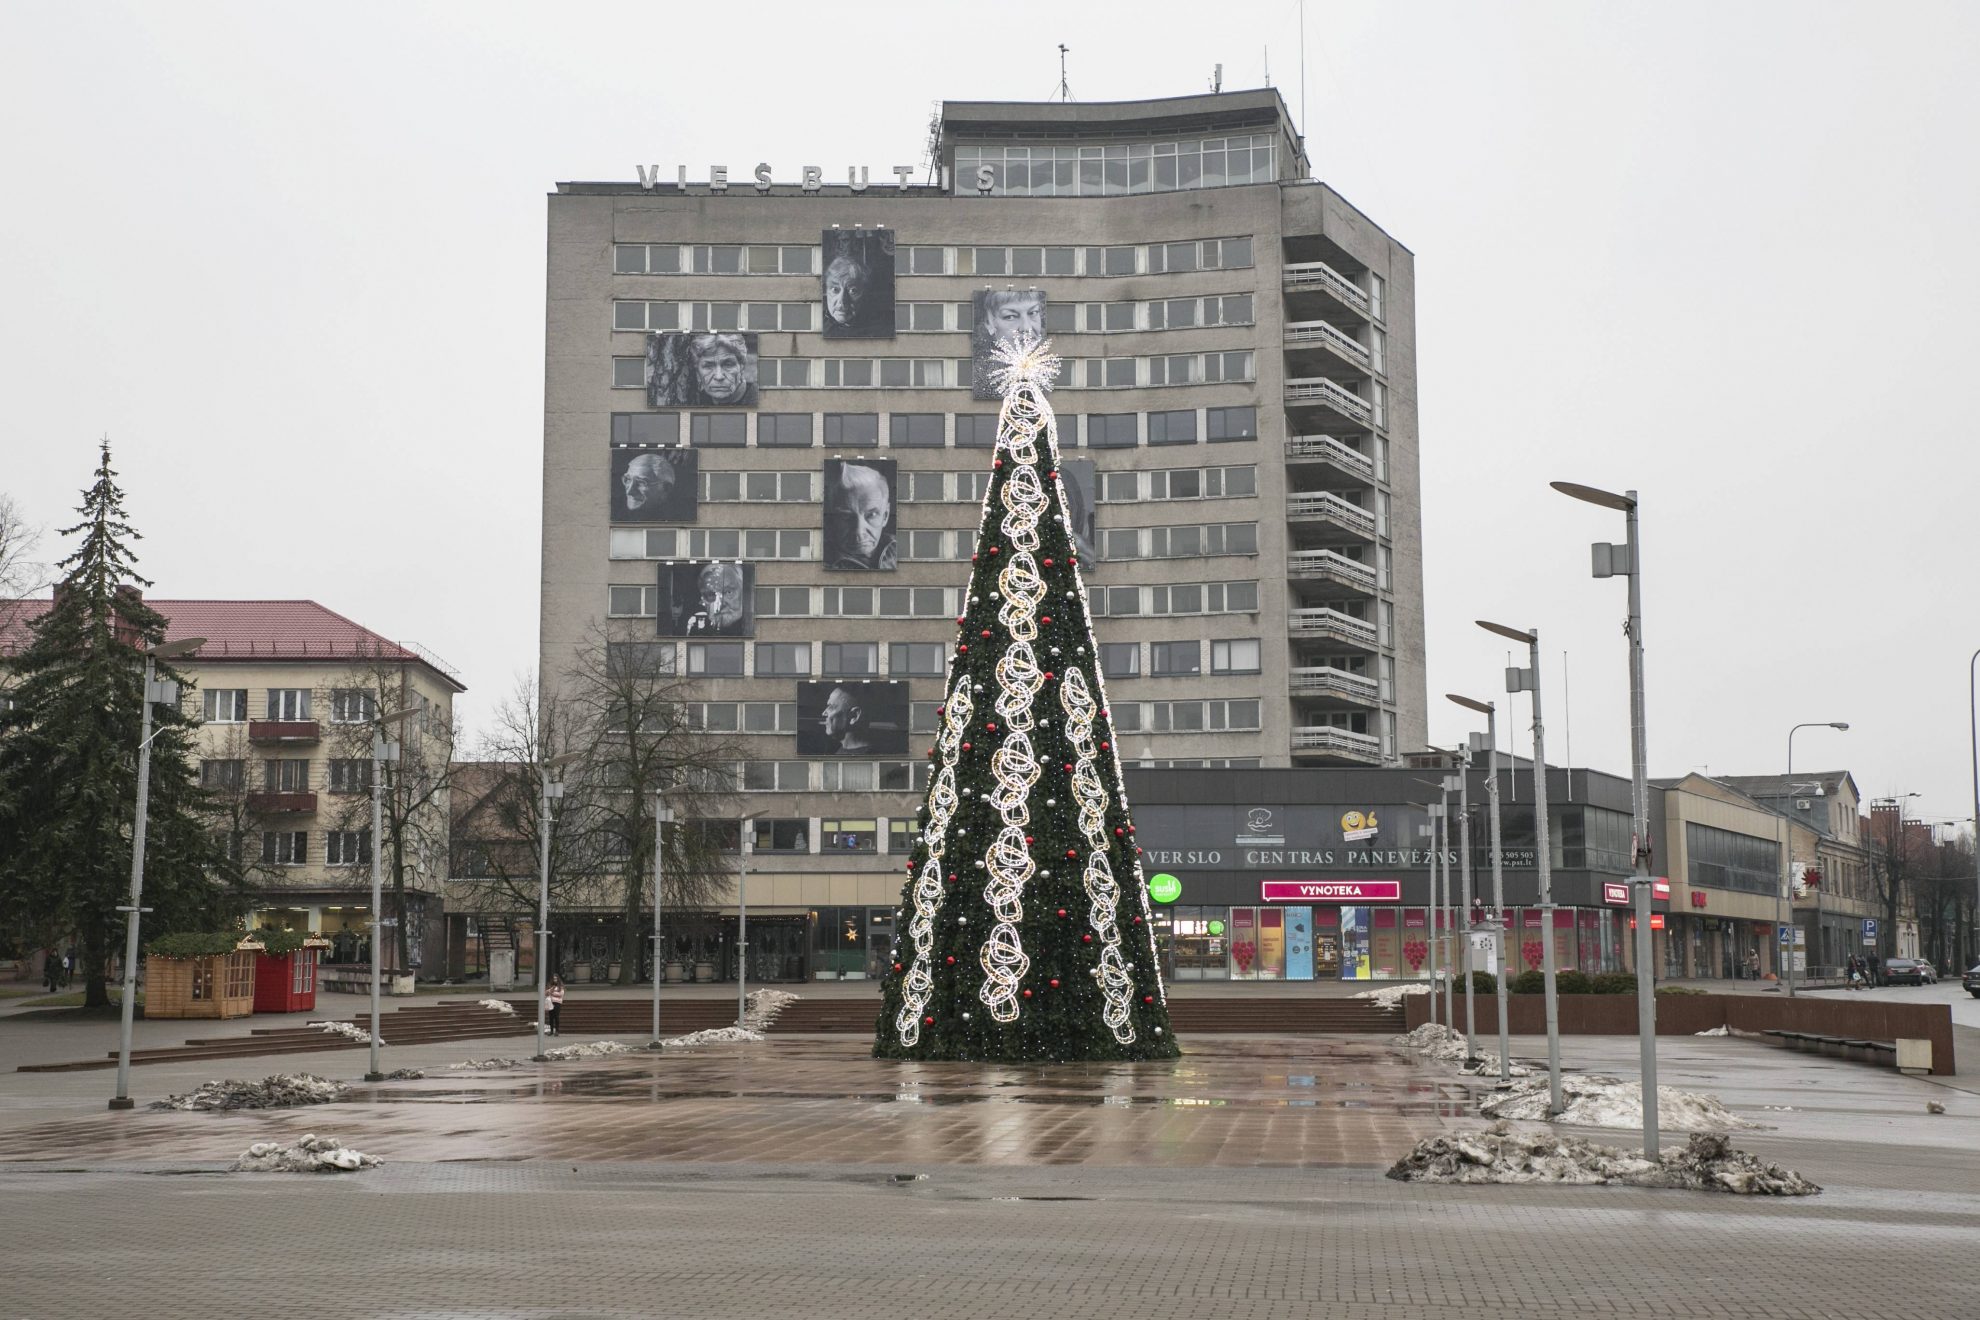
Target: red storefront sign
(1660, 888)
(1331, 891)
(1613, 892)
(1656, 921)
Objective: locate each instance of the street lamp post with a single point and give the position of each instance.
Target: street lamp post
(1452, 784)
(1787, 867)
(1491, 713)
(663, 816)
(745, 845)
(1528, 680)
(1436, 811)
(383, 752)
(164, 692)
(1973, 727)
(1627, 559)
(1464, 875)
(552, 792)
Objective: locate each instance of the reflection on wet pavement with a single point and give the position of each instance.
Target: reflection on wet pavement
(1229, 1102)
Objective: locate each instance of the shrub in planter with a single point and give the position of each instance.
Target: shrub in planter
(1482, 983)
(1613, 983)
(1572, 983)
(1530, 983)
(277, 941)
(1678, 990)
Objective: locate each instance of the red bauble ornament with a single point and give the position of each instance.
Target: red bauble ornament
(1118, 831)
(1055, 983)
(996, 462)
(1071, 853)
(1048, 678)
(897, 967)
(1062, 912)
(952, 880)
(939, 709)
(1086, 939)
(990, 728)
(1068, 767)
(1105, 746)
(1137, 852)
(996, 550)
(1103, 714)
(972, 559)
(984, 633)
(1148, 999)
(1029, 839)
(1046, 619)
(1137, 920)
(952, 960)
(964, 648)
(959, 620)
(928, 1021)
(1048, 563)
(966, 747)
(1027, 994)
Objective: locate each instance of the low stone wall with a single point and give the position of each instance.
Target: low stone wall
(1687, 1015)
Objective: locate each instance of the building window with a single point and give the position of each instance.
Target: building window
(1172, 428)
(1120, 659)
(284, 847)
(915, 430)
(976, 430)
(788, 430)
(852, 430)
(1238, 656)
(632, 602)
(715, 659)
(903, 836)
(922, 659)
(1113, 430)
(223, 776)
(783, 659)
(288, 703)
(1175, 659)
(347, 847)
(922, 717)
(352, 706)
(718, 430)
(773, 835)
(350, 775)
(1231, 424)
(642, 659)
(286, 775)
(841, 836)
(226, 705)
(847, 659)
(776, 776)
(660, 428)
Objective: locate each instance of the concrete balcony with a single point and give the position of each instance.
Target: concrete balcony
(1334, 454)
(1331, 566)
(1321, 743)
(275, 804)
(1323, 624)
(1316, 348)
(1306, 281)
(1317, 393)
(1328, 682)
(1322, 506)
(283, 731)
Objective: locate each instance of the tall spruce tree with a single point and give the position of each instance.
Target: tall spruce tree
(1024, 931)
(68, 764)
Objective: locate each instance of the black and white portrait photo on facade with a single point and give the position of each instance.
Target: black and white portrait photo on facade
(852, 718)
(998, 315)
(655, 485)
(859, 515)
(701, 598)
(1077, 474)
(701, 369)
(859, 283)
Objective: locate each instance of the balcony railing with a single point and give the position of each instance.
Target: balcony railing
(282, 731)
(1326, 505)
(1332, 566)
(1327, 681)
(1319, 275)
(1320, 390)
(1342, 343)
(1337, 742)
(1324, 447)
(1321, 621)
(273, 803)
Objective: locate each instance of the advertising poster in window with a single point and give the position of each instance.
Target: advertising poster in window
(852, 718)
(860, 521)
(704, 369)
(998, 315)
(859, 283)
(655, 485)
(1077, 474)
(707, 599)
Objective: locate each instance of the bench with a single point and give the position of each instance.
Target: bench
(1842, 1047)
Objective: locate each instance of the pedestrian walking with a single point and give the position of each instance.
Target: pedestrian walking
(1752, 964)
(553, 1004)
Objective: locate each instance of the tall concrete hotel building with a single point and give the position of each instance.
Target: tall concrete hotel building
(764, 461)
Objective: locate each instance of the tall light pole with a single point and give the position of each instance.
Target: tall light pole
(1491, 713)
(383, 753)
(1436, 811)
(1608, 561)
(1787, 860)
(746, 844)
(663, 816)
(1452, 784)
(1464, 874)
(166, 693)
(1528, 680)
(1973, 726)
(552, 791)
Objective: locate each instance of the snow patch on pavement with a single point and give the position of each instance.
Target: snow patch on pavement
(280, 1091)
(484, 1065)
(1434, 1040)
(310, 1154)
(497, 1005)
(762, 1007)
(1391, 996)
(349, 1030)
(1499, 1155)
(596, 1049)
(713, 1036)
(1592, 1101)
(1714, 1031)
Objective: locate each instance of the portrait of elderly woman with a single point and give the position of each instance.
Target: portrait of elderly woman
(859, 283)
(859, 515)
(705, 369)
(654, 485)
(998, 315)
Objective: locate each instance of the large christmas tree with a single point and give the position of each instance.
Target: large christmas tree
(1024, 932)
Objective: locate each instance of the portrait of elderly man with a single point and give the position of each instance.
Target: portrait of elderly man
(707, 600)
(654, 485)
(705, 369)
(852, 719)
(859, 515)
(859, 283)
(999, 315)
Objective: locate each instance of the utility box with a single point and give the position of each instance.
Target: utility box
(1914, 1057)
(502, 969)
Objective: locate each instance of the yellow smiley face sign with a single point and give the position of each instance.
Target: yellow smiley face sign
(1359, 825)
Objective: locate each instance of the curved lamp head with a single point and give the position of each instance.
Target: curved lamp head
(1594, 495)
(1482, 707)
(1512, 634)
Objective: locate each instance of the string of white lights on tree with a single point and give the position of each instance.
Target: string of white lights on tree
(942, 803)
(1116, 984)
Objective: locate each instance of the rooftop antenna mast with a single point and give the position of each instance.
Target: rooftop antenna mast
(933, 151)
(1217, 81)
(1302, 72)
(1065, 88)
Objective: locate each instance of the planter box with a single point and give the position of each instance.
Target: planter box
(219, 985)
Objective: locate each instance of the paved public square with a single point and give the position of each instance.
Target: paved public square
(799, 1177)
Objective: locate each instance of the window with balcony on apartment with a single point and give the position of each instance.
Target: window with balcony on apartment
(286, 775)
(288, 703)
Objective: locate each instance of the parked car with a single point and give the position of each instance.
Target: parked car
(1972, 980)
(1908, 971)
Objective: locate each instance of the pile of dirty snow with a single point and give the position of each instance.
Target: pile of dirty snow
(761, 1007)
(405, 1075)
(1391, 996)
(713, 1036)
(1500, 1155)
(498, 1005)
(350, 1030)
(1714, 1031)
(596, 1049)
(1434, 1040)
(310, 1154)
(1611, 1102)
(484, 1065)
(280, 1091)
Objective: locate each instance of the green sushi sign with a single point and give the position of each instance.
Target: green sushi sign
(1164, 888)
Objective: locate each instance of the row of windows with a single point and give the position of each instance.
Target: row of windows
(970, 487)
(1176, 659)
(291, 847)
(762, 259)
(1179, 659)
(862, 430)
(286, 775)
(1117, 169)
(1183, 542)
(934, 544)
(1174, 598)
(230, 705)
(767, 543)
(896, 373)
(640, 315)
(780, 717)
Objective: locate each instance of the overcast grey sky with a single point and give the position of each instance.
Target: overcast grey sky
(291, 260)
